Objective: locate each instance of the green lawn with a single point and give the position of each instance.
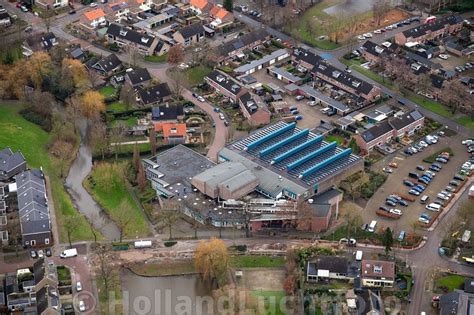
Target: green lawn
(466, 121)
(11, 55)
(433, 106)
(196, 74)
(271, 302)
(19, 134)
(109, 189)
(451, 282)
(116, 106)
(131, 121)
(108, 91)
(339, 140)
(430, 159)
(256, 261)
(155, 58)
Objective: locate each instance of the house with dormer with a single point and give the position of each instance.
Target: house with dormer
(105, 66)
(154, 95)
(11, 163)
(377, 273)
(92, 19)
(144, 43)
(225, 85)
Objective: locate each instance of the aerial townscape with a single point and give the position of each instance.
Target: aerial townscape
(201, 157)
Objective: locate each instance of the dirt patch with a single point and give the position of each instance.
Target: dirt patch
(263, 279)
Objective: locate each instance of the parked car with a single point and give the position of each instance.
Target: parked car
(387, 170)
(298, 117)
(393, 165)
(443, 56)
(82, 306)
(384, 208)
(93, 5)
(390, 203)
(201, 99)
(420, 167)
(299, 97)
(33, 254)
(48, 252)
(414, 192)
(396, 211)
(403, 203)
(408, 183)
(78, 286)
(29, 29)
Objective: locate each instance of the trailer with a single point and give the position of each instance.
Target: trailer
(67, 253)
(142, 244)
(359, 255)
(406, 197)
(387, 214)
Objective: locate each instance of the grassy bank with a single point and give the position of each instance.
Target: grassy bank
(256, 261)
(19, 134)
(155, 58)
(107, 185)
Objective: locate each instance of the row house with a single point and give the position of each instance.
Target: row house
(432, 30)
(123, 36)
(11, 163)
(92, 19)
(236, 48)
(225, 85)
(346, 81)
(304, 59)
(51, 4)
(372, 52)
(388, 130)
(254, 110)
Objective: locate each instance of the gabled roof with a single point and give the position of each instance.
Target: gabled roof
(434, 26)
(108, 63)
(225, 81)
(154, 93)
(130, 35)
(4, 16)
(94, 14)
(376, 131)
(243, 41)
(437, 81)
(167, 112)
(334, 264)
(10, 160)
(192, 30)
(307, 56)
(219, 12)
(200, 4)
(138, 76)
(377, 268)
(406, 119)
(171, 129)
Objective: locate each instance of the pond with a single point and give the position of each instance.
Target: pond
(350, 7)
(183, 294)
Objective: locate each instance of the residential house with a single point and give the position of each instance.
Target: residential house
(117, 12)
(304, 59)
(327, 268)
(4, 18)
(106, 66)
(124, 36)
(92, 19)
(377, 273)
(36, 43)
(225, 85)
(265, 61)
(35, 222)
(345, 81)
(138, 77)
(433, 30)
(200, 6)
(51, 4)
(220, 17)
(388, 130)
(167, 113)
(78, 53)
(172, 133)
(236, 48)
(373, 52)
(11, 164)
(458, 302)
(189, 35)
(154, 95)
(254, 109)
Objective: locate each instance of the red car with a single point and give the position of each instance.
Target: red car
(435, 298)
(18, 5)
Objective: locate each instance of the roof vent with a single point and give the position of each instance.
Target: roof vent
(145, 40)
(123, 32)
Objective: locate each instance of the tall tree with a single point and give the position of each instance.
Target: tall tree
(92, 104)
(352, 217)
(177, 83)
(229, 5)
(175, 55)
(38, 66)
(169, 215)
(136, 157)
(105, 268)
(387, 240)
(62, 151)
(211, 259)
(127, 96)
(74, 70)
(71, 222)
(153, 141)
(123, 218)
(98, 137)
(117, 134)
(380, 8)
(141, 178)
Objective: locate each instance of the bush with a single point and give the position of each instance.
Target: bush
(277, 44)
(31, 116)
(375, 181)
(170, 243)
(432, 157)
(239, 248)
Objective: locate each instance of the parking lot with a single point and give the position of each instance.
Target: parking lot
(394, 183)
(312, 115)
(452, 62)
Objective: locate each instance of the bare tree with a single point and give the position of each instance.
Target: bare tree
(379, 9)
(177, 84)
(105, 268)
(169, 215)
(352, 217)
(117, 134)
(99, 140)
(123, 218)
(94, 78)
(127, 96)
(71, 222)
(94, 218)
(132, 54)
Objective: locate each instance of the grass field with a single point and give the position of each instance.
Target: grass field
(355, 64)
(154, 58)
(451, 282)
(108, 91)
(196, 75)
(270, 302)
(131, 121)
(19, 134)
(116, 106)
(466, 121)
(256, 261)
(164, 268)
(109, 189)
(339, 140)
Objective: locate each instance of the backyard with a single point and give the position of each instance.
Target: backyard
(108, 185)
(19, 134)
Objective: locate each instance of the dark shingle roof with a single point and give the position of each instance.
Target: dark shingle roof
(242, 41)
(307, 56)
(440, 23)
(249, 103)
(225, 82)
(343, 77)
(334, 264)
(167, 112)
(10, 160)
(130, 35)
(109, 63)
(154, 94)
(191, 30)
(405, 120)
(376, 131)
(437, 81)
(4, 15)
(138, 76)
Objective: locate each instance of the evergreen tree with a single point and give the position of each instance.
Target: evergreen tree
(387, 240)
(229, 5)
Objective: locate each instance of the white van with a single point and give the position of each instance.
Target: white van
(433, 207)
(372, 226)
(325, 110)
(359, 255)
(142, 244)
(67, 253)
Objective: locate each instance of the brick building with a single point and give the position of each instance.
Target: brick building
(436, 29)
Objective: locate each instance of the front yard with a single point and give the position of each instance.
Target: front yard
(195, 75)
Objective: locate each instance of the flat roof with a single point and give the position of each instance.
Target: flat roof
(256, 63)
(309, 90)
(287, 75)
